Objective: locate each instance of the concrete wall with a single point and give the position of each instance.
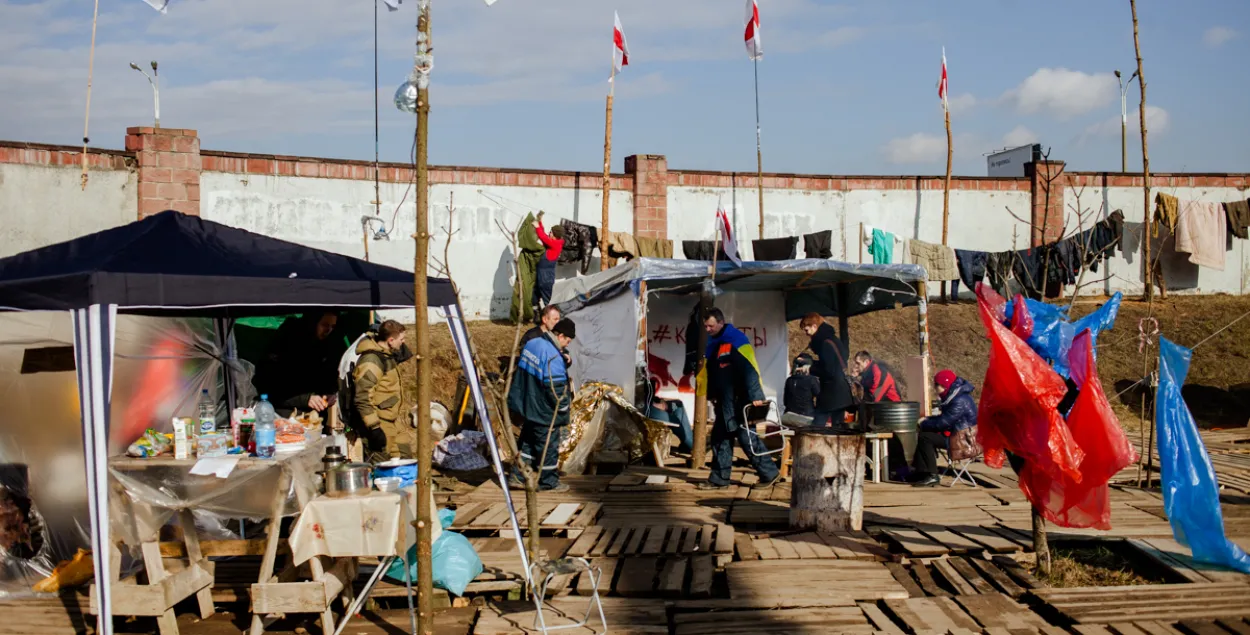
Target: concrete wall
(43, 204)
(326, 213)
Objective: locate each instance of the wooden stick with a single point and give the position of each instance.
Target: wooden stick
(87, 117)
(425, 374)
(861, 243)
(759, 155)
(607, 163)
(946, 190)
(1145, 163)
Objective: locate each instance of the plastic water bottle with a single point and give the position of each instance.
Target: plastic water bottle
(208, 414)
(265, 433)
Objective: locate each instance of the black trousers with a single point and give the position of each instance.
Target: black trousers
(925, 459)
(545, 280)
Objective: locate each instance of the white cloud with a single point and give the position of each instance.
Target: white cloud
(962, 103)
(917, 148)
(1158, 121)
(1062, 93)
(1217, 35)
(1019, 136)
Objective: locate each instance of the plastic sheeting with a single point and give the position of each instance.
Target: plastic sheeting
(1191, 496)
(160, 367)
(1049, 333)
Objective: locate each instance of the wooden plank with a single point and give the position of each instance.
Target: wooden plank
(767, 551)
(655, 540)
(1233, 625)
(622, 538)
(491, 517)
(675, 537)
(915, 543)
(1013, 569)
(1159, 628)
(904, 578)
(584, 543)
(1125, 628)
(878, 619)
(818, 548)
(921, 571)
(701, 570)
(605, 541)
(785, 550)
(724, 539)
(561, 515)
(991, 540)
(217, 548)
(637, 577)
(743, 544)
(996, 576)
(607, 567)
(465, 514)
(952, 540)
(589, 512)
(802, 547)
(944, 568)
(635, 541)
(841, 548)
(672, 577)
(706, 535)
(971, 575)
(691, 542)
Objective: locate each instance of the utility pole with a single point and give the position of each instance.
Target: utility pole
(425, 484)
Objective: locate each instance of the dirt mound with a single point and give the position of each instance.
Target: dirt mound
(1217, 389)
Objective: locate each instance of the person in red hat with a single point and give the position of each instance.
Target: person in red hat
(953, 428)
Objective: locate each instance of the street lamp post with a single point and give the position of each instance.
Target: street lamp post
(1124, 118)
(155, 80)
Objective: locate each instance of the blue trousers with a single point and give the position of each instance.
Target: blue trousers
(530, 445)
(723, 454)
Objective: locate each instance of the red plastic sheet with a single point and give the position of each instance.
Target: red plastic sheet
(1018, 410)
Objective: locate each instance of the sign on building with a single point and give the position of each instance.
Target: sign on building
(1010, 163)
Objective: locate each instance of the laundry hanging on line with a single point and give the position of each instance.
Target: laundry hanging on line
(580, 241)
(703, 250)
(654, 248)
(818, 245)
(938, 260)
(775, 248)
(1238, 213)
(1201, 232)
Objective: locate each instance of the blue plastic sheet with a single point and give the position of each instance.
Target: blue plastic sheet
(1049, 332)
(456, 563)
(1191, 496)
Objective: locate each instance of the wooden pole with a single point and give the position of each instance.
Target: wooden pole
(759, 154)
(425, 373)
(861, 243)
(698, 450)
(946, 190)
(1041, 545)
(607, 163)
(1145, 163)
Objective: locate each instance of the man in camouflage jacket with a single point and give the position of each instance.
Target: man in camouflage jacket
(377, 397)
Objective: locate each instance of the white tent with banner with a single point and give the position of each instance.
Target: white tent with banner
(634, 320)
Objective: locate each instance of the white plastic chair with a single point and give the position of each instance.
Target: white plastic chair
(782, 430)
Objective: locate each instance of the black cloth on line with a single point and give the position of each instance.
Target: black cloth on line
(972, 265)
(1238, 213)
(818, 245)
(775, 248)
(579, 242)
(998, 268)
(702, 250)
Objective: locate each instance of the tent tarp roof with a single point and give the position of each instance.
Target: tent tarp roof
(810, 284)
(174, 263)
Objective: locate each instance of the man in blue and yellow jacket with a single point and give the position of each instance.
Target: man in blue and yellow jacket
(732, 383)
(540, 396)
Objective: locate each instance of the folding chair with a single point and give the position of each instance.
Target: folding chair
(782, 430)
(959, 469)
(563, 566)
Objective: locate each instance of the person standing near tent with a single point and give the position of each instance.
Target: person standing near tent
(876, 381)
(732, 384)
(830, 367)
(547, 320)
(300, 371)
(376, 395)
(546, 273)
(540, 396)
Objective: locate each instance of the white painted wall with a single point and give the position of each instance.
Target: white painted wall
(326, 214)
(42, 205)
(1125, 271)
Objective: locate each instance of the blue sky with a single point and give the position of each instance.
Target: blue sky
(846, 87)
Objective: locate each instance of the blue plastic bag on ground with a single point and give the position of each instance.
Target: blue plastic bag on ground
(1191, 495)
(456, 563)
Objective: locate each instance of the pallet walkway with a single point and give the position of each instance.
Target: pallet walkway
(1226, 626)
(810, 545)
(671, 577)
(1230, 456)
(624, 616)
(939, 540)
(839, 619)
(827, 582)
(947, 577)
(613, 540)
(553, 515)
(991, 613)
(1179, 566)
(1168, 603)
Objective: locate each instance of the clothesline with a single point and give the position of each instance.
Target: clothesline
(1192, 348)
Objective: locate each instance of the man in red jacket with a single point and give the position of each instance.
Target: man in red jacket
(874, 379)
(546, 274)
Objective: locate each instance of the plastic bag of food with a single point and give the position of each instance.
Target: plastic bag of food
(152, 443)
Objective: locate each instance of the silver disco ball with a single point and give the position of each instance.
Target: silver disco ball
(406, 97)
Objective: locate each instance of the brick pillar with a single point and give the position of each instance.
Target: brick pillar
(650, 194)
(169, 169)
(1046, 176)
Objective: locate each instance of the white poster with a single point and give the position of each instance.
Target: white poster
(760, 315)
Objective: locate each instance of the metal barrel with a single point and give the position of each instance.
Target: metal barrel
(899, 417)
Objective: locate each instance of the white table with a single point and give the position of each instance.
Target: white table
(880, 442)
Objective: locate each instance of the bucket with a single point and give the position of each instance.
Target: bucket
(902, 418)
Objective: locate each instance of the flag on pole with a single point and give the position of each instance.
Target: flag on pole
(942, 84)
(620, 48)
(755, 50)
(159, 5)
(392, 5)
(728, 244)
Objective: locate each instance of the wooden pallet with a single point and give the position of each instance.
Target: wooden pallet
(971, 614)
(1179, 566)
(624, 617)
(819, 582)
(947, 577)
(612, 540)
(1167, 603)
(63, 615)
(811, 545)
(553, 516)
(643, 576)
(927, 541)
(839, 619)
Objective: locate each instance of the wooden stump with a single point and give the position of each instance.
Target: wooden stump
(827, 493)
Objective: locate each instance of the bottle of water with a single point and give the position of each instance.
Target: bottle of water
(207, 414)
(265, 433)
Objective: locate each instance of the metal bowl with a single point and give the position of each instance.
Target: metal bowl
(353, 479)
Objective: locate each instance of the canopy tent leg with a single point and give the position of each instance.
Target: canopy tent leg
(844, 312)
(95, 330)
(225, 343)
(460, 337)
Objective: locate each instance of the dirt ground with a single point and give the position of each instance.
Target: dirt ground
(1217, 389)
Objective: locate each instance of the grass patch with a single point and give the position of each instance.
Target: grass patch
(1091, 566)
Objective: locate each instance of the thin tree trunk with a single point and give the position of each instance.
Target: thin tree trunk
(1041, 546)
(425, 485)
(1147, 266)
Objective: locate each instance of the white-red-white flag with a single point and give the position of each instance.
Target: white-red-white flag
(726, 230)
(755, 50)
(942, 84)
(620, 47)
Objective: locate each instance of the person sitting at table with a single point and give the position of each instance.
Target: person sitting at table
(802, 388)
(954, 428)
(671, 411)
(300, 371)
